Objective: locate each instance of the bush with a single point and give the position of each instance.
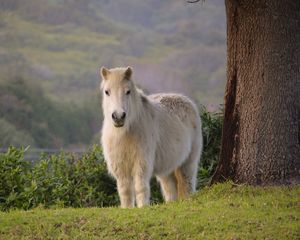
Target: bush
(61, 179)
(13, 178)
(212, 133)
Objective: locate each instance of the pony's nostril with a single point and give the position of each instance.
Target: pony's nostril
(114, 116)
(118, 117)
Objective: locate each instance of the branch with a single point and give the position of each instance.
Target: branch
(193, 1)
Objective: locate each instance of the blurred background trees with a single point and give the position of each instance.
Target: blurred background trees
(51, 51)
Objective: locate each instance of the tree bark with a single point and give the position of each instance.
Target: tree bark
(260, 143)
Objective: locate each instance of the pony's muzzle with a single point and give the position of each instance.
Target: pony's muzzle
(118, 118)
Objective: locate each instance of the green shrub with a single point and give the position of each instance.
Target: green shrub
(13, 178)
(59, 179)
(212, 133)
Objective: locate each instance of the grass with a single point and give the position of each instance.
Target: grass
(225, 211)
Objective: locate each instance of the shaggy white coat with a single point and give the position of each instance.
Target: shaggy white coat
(161, 136)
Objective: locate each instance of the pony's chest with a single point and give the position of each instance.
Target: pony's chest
(121, 153)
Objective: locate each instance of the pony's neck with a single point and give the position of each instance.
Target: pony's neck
(142, 103)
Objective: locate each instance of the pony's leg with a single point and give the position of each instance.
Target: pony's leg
(168, 186)
(142, 190)
(126, 193)
(189, 169)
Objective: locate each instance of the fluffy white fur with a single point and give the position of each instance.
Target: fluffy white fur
(161, 136)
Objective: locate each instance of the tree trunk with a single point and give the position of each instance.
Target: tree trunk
(260, 141)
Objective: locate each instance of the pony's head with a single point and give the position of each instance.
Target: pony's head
(119, 96)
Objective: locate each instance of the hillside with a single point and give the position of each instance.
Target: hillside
(29, 118)
(224, 211)
(56, 47)
(172, 45)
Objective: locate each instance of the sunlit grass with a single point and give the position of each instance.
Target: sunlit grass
(225, 211)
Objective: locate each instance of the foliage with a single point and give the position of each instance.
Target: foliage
(31, 118)
(9, 135)
(13, 176)
(224, 211)
(59, 179)
(212, 133)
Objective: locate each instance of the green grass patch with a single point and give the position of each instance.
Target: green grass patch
(224, 211)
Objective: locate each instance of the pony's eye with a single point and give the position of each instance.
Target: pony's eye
(107, 92)
(127, 92)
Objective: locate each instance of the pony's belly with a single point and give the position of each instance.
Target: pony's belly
(171, 155)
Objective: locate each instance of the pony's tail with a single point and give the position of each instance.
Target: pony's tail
(182, 185)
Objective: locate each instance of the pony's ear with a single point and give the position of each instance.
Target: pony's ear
(128, 73)
(104, 73)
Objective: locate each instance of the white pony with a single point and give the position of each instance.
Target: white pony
(148, 135)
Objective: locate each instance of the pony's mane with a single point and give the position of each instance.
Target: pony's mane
(141, 94)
